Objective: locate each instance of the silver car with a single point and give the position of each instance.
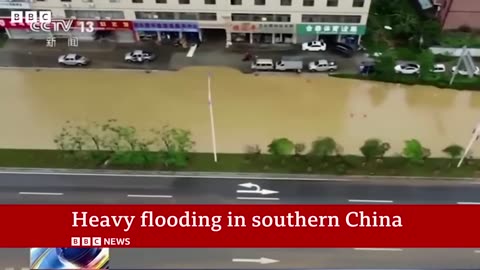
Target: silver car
(73, 59)
(322, 65)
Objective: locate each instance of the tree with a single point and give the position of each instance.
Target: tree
(323, 147)
(454, 151)
(426, 59)
(374, 148)
(430, 31)
(386, 64)
(281, 147)
(299, 148)
(177, 143)
(415, 152)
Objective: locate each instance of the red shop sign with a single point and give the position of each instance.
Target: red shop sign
(113, 25)
(5, 23)
(244, 27)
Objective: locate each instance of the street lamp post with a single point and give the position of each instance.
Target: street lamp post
(475, 136)
(212, 122)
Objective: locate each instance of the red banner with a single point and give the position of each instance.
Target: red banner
(262, 226)
(97, 24)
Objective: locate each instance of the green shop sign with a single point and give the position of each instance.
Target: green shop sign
(332, 29)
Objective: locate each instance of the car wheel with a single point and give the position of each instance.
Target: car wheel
(129, 61)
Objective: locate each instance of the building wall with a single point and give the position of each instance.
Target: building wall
(222, 8)
(457, 13)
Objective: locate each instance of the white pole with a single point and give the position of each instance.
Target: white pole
(212, 123)
(470, 144)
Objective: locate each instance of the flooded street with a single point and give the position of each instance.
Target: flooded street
(248, 109)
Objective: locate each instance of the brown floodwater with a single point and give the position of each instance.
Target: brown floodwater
(248, 109)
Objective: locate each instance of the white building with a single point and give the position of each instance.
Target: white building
(254, 21)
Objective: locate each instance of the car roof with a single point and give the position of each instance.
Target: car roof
(137, 51)
(322, 61)
(264, 60)
(71, 55)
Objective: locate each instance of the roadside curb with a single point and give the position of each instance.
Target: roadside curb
(234, 175)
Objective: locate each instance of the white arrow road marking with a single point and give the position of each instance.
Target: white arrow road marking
(369, 201)
(256, 189)
(250, 185)
(260, 261)
(258, 198)
(149, 196)
(41, 193)
(477, 251)
(378, 249)
(468, 203)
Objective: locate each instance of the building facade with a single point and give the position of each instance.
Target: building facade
(455, 14)
(231, 21)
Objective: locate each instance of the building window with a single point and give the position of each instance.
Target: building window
(184, 2)
(331, 18)
(210, 2)
(358, 3)
(235, 2)
(332, 3)
(285, 2)
(143, 15)
(187, 16)
(259, 2)
(207, 16)
(112, 1)
(66, 0)
(92, 14)
(161, 1)
(261, 17)
(308, 3)
(241, 17)
(137, 1)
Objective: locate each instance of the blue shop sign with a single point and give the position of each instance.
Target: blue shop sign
(165, 26)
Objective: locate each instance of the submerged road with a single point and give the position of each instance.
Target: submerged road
(61, 188)
(94, 188)
(287, 258)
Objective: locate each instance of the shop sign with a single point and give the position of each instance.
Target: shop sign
(332, 29)
(87, 25)
(15, 5)
(244, 27)
(165, 26)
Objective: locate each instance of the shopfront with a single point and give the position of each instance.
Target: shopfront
(118, 31)
(262, 33)
(168, 30)
(350, 34)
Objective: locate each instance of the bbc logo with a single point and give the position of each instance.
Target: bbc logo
(34, 16)
(86, 242)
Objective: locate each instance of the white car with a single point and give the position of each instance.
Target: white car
(465, 72)
(139, 56)
(407, 68)
(73, 59)
(438, 68)
(314, 46)
(322, 65)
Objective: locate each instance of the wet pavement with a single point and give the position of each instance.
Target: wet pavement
(18, 53)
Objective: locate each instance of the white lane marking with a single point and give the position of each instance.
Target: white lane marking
(369, 201)
(191, 51)
(41, 193)
(176, 176)
(258, 198)
(477, 251)
(378, 249)
(468, 203)
(149, 196)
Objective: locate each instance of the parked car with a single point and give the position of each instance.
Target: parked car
(263, 64)
(343, 49)
(367, 67)
(464, 72)
(139, 56)
(438, 68)
(289, 65)
(73, 59)
(314, 46)
(322, 65)
(407, 68)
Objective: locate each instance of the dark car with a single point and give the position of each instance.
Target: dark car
(367, 67)
(343, 49)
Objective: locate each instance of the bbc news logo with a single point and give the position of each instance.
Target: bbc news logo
(98, 242)
(41, 21)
